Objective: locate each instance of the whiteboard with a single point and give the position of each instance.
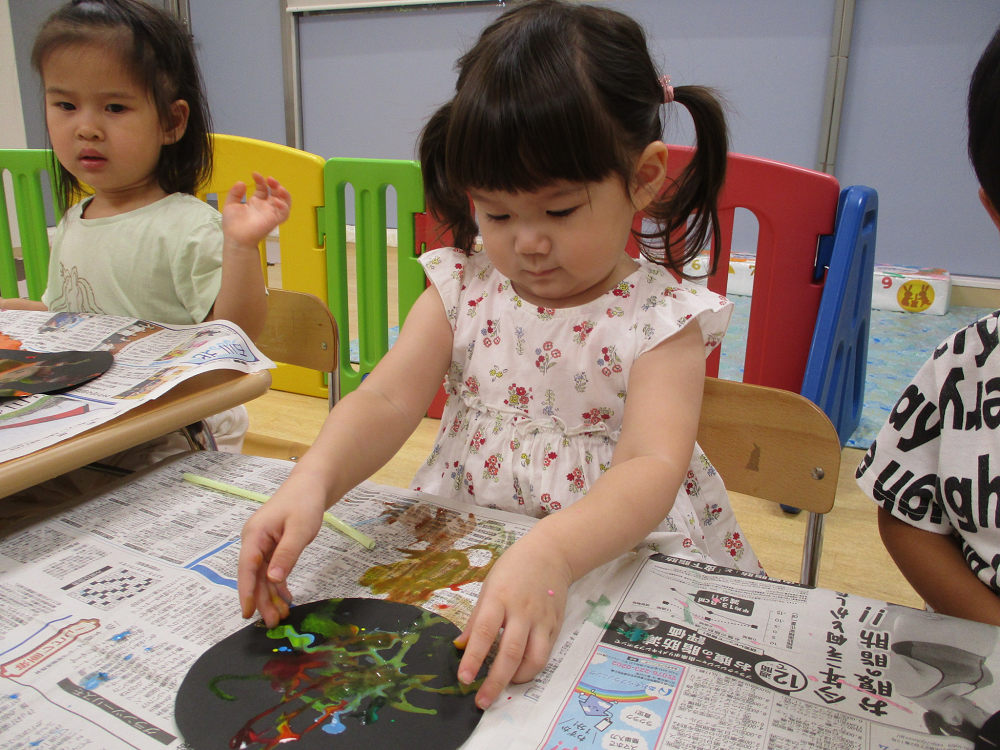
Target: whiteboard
(305, 6)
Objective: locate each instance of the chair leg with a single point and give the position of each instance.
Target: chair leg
(333, 388)
(199, 437)
(812, 550)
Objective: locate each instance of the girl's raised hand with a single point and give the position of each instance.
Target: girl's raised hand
(273, 538)
(525, 595)
(248, 223)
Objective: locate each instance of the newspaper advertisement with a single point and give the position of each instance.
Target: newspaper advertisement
(149, 359)
(698, 656)
(105, 606)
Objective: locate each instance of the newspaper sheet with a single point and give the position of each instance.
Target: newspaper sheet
(150, 359)
(105, 605)
(699, 657)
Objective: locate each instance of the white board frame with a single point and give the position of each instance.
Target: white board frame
(307, 6)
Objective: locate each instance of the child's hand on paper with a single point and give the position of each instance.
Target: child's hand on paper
(273, 539)
(525, 594)
(248, 223)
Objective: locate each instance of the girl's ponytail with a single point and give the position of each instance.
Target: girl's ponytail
(445, 203)
(695, 192)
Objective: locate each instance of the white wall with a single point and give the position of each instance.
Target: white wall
(11, 114)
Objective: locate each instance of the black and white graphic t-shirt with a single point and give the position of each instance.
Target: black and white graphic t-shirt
(936, 462)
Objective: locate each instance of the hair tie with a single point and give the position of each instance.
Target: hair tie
(668, 90)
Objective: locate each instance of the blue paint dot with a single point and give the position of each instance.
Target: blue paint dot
(335, 726)
(121, 636)
(34, 744)
(148, 648)
(127, 658)
(94, 680)
(13, 696)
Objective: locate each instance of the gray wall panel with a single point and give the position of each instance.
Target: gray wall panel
(370, 80)
(904, 130)
(26, 16)
(239, 49)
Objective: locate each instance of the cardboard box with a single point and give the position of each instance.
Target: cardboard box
(900, 288)
(909, 289)
(741, 268)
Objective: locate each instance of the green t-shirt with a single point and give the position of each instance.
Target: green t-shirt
(161, 262)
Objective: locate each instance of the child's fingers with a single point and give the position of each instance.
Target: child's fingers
(509, 657)
(270, 612)
(237, 192)
(536, 655)
(476, 640)
(294, 539)
(249, 567)
(280, 603)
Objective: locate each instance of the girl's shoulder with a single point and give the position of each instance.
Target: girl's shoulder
(451, 267)
(664, 306)
(652, 279)
(188, 206)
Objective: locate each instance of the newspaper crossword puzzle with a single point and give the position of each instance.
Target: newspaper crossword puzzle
(110, 587)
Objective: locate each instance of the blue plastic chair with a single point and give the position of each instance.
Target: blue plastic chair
(835, 372)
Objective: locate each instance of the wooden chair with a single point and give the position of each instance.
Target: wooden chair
(300, 331)
(775, 445)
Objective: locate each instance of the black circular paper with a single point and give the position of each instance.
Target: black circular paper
(48, 372)
(366, 655)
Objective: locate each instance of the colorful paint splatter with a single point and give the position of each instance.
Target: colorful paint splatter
(331, 670)
(436, 564)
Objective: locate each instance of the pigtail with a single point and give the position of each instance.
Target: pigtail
(695, 192)
(444, 202)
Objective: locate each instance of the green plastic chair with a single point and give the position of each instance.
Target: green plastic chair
(370, 179)
(25, 167)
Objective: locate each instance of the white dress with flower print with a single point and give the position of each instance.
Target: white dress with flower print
(536, 398)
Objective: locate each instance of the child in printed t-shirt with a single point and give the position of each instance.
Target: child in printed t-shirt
(554, 131)
(934, 468)
(127, 117)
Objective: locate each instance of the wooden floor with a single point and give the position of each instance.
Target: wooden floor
(854, 559)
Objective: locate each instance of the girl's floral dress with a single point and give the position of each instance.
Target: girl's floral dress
(536, 398)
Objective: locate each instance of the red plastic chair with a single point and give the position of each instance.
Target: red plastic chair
(793, 207)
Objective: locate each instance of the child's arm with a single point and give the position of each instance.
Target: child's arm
(525, 592)
(242, 298)
(15, 303)
(364, 430)
(937, 570)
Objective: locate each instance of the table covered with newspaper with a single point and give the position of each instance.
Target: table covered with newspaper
(149, 359)
(106, 604)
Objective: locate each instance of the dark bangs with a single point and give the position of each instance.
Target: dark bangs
(512, 132)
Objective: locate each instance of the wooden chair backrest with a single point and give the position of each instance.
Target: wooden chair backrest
(771, 444)
(300, 331)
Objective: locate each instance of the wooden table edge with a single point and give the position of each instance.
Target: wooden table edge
(193, 399)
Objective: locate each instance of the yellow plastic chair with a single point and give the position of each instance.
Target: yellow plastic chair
(303, 254)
